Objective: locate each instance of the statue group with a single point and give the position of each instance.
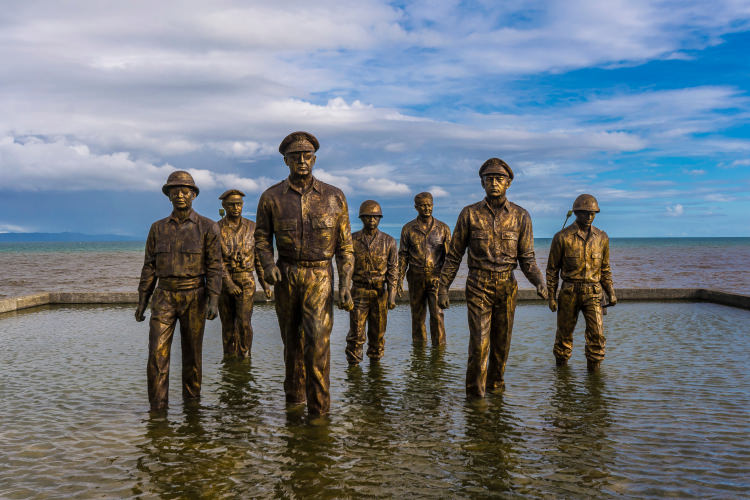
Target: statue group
(195, 269)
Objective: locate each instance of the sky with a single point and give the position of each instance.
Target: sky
(644, 104)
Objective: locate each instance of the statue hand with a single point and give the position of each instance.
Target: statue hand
(345, 299)
(400, 290)
(612, 300)
(541, 290)
(213, 308)
(269, 293)
(391, 300)
(140, 312)
(272, 274)
(443, 299)
(234, 289)
(552, 304)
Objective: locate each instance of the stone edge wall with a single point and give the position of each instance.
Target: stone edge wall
(456, 295)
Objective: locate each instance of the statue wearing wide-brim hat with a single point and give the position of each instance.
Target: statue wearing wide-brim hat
(180, 178)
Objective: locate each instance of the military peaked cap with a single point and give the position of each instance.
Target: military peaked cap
(230, 192)
(298, 141)
(495, 166)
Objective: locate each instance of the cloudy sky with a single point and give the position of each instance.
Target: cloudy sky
(644, 104)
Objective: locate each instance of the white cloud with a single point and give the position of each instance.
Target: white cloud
(719, 198)
(340, 181)
(13, 228)
(741, 163)
(696, 171)
(384, 187)
(675, 210)
(438, 192)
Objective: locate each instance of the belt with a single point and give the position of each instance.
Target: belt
(369, 286)
(497, 275)
(579, 285)
(180, 284)
(241, 272)
(306, 263)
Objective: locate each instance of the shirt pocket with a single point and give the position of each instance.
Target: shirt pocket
(322, 233)
(480, 241)
(163, 255)
(325, 222)
(509, 243)
(191, 253)
(286, 230)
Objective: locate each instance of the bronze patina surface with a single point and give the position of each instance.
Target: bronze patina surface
(580, 255)
(422, 250)
(238, 286)
(499, 237)
(183, 264)
(374, 285)
(309, 220)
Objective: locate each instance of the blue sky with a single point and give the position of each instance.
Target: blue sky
(643, 104)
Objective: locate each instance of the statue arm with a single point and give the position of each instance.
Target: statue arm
(458, 243)
(553, 265)
(606, 272)
(403, 257)
(264, 233)
(215, 270)
(392, 267)
(526, 257)
(148, 272)
(344, 248)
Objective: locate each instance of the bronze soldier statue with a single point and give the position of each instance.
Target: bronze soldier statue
(238, 290)
(183, 263)
(424, 244)
(310, 221)
(580, 253)
(499, 236)
(374, 285)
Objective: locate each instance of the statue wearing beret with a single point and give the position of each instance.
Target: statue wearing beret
(238, 286)
(309, 220)
(182, 269)
(499, 237)
(422, 249)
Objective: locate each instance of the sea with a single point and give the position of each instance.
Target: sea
(715, 263)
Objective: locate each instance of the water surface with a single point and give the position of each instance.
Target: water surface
(669, 415)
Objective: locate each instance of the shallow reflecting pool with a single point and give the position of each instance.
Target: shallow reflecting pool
(669, 415)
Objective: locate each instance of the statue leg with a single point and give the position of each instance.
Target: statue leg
(437, 323)
(192, 325)
(288, 313)
(417, 297)
(227, 315)
(161, 331)
(317, 321)
(479, 310)
(243, 318)
(592, 313)
(567, 316)
(376, 323)
(355, 339)
(501, 331)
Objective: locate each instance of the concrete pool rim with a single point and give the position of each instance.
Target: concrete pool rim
(456, 295)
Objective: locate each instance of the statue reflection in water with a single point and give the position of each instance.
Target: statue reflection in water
(580, 417)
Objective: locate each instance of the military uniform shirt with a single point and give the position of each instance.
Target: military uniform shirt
(579, 258)
(238, 247)
(187, 249)
(423, 249)
(310, 225)
(375, 260)
(497, 240)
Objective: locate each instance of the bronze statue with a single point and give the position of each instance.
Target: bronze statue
(374, 285)
(310, 221)
(424, 244)
(580, 253)
(238, 290)
(183, 263)
(499, 236)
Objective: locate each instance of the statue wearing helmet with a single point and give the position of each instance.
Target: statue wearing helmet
(580, 254)
(374, 285)
(182, 270)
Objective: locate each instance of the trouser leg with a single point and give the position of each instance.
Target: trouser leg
(243, 318)
(501, 330)
(228, 317)
(417, 298)
(479, 310)
(317, 322)
(355, 339)
(567, 316)
(437, 324)
(377, 319)
(289, 315)
(161, 330)
(592, 313)
(192, 325)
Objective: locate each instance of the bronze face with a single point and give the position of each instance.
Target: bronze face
(585, 218)
(300, 163)
(495, 185)
(181, 197)
(370, 222)
(233, 205)
(424, 208)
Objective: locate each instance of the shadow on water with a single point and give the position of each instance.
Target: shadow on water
(581, 455)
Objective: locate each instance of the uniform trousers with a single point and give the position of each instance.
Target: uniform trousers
(236, 312)
(304, 307)
(491, 305)
(371, 307)
(423, 291)
(167, 307)
(575, 298)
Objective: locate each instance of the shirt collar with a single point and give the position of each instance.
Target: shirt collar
(581, 233)
(288, 185)
(503, 205)
(192, 217)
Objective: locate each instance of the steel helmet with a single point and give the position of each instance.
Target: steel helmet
(370, 207)
(586, 202)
